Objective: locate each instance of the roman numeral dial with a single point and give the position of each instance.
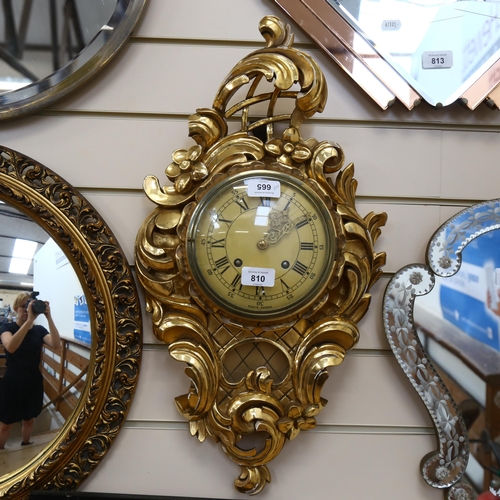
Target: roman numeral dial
(237, 236)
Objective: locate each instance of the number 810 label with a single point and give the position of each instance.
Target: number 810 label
(262, 276)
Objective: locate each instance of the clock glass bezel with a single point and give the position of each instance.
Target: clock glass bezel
(310, 278)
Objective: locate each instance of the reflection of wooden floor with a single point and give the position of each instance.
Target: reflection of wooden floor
(14, 455)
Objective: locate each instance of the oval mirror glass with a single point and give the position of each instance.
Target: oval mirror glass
(32, 263)
(50, 47)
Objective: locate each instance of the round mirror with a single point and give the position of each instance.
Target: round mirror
(90, 378)
(50, 47)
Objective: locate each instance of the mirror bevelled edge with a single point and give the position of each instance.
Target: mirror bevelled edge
(115, 318)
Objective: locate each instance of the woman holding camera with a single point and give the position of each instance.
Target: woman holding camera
(21, 392)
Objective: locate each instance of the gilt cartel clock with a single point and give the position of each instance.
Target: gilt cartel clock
(256, 264)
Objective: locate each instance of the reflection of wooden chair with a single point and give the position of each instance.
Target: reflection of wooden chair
(471, 370)
(64, 374)
(470, 410)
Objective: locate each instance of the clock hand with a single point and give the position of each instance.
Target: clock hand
(275, 234)
(280, 225)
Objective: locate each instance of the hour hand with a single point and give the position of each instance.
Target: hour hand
(275, 234)
(280, 225)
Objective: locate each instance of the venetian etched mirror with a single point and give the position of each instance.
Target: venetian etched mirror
(50, 47)
(440, 51)
(442, 322)
(80, 268)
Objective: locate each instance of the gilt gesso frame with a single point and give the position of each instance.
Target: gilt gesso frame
(115, 317)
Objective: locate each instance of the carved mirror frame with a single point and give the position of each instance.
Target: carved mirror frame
(359, 58)
(115, 317)
(444, 467)
(106, 43)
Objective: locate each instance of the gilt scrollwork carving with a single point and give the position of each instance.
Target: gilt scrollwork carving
(278, 393)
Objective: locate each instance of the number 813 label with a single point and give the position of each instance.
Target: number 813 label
(437, 60)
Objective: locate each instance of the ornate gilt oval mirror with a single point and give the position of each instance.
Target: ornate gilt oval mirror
(442, 322)
(438, 51)
(72, 240)
(49, 48)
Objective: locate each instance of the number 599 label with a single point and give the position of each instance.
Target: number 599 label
(263, 187)
(259, 276)
(437, 59)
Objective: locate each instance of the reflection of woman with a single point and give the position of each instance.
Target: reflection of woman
(21, 393)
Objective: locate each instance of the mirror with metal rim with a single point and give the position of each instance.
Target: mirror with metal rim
(106, 386)
(50, 47)
(442, 321)
(440, 51)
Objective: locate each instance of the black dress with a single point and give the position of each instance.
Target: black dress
(21, 390)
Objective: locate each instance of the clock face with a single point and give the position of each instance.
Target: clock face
(261, 245)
